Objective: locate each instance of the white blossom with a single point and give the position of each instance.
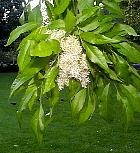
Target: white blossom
(72, 60)
(72, 63)
(56, 34)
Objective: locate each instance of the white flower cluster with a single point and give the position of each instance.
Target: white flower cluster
(45, 20)
(56, 34)
(72, 63)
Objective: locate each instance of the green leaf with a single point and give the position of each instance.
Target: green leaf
(33, 68)
(91, 26)
(45, 48)
(87, 13)
(61, 7)
(84, 4)
(128, 29)
(87, 111)
(132, 54)
(96, 56)
(57, 24)
(55, 93)
(113, 7)
(38, 123)
(74, 87)
(70, 21)
(35, 15)
(24, 54)
(50, 79)
(42, 50)
(97, 38)
(108, 102)
(122, 68)
(128, 115)
(132, 95)
(28, 98)
(78, 101)
(121, 30)
(19, 30)
(50, 10)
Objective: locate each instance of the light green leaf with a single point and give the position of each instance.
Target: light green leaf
(50, 79)
(84, 4)
(42, 50)
(35, 15)
(87, 13)
(70, 21)
(78, 102)
(19, 30)
(97, 38)
(132, 54)
(50, 10)
(24, 54)
(33, 67)
(61, 7)
(91, 26)
(57, 24)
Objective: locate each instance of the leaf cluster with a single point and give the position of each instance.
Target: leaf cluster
(113, 81)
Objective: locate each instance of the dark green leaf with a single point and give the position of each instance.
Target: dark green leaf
(113, 7)
(78, 101)
(29, 97)
(38, 123)
(108, 102)
(132, 54)
(122, 69)
(87, 111)
(54, 96)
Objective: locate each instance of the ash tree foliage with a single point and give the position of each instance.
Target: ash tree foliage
(83, 50)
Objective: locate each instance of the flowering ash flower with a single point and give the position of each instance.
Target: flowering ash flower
(56, 34)
(72, 63)
(44, 13)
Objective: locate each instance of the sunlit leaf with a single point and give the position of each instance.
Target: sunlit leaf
(97, 38)
(70, 21)
(50, 79)
(19, 30)
(61, 7)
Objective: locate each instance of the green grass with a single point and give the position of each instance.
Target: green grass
(62, 136)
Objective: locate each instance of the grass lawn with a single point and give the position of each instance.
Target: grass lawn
(62, 136)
